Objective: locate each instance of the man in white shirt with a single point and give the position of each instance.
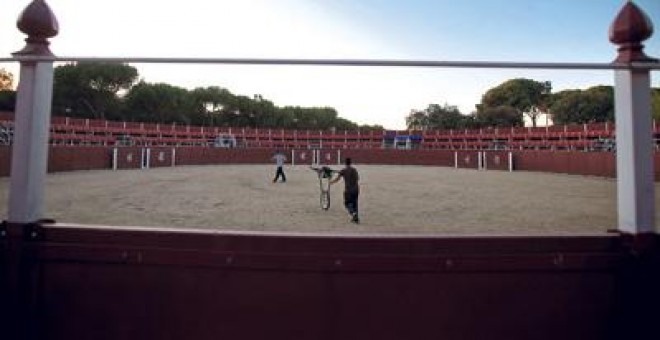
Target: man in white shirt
(279, 158)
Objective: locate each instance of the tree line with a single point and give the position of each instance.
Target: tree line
(113, 91)
(509, 102)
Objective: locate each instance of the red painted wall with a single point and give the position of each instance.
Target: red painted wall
(96, 283)
(400, 157)
(129, 158)
(580, 163)
(68, 158)
(5, 159)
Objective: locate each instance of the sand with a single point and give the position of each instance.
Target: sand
(394, 199)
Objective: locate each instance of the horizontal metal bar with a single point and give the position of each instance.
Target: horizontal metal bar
(348, 62)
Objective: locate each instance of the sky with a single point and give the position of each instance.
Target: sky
(467, 30)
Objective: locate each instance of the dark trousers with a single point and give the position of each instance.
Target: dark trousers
(351, 201)
(279, 173)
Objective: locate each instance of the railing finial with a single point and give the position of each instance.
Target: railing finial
(630, 27)
(39, 23)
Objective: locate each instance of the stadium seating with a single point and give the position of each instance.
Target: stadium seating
(73, 131)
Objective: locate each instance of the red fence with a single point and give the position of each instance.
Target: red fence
(68, 158)
(578, 163)
(79, 158)
(94, 283)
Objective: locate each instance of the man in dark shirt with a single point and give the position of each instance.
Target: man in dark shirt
(351, 189)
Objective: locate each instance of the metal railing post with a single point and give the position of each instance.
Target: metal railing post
(33, 105)
(632, 97)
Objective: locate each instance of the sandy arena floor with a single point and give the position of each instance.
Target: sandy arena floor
(394, 199)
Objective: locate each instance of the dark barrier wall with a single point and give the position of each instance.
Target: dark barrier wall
(199, 156)
(467, 159)
(66, 158)
(129, 158)
(578, 163)
(397, 157)
(92, 283)
(160, 157)
(5, 159)
(496, 160)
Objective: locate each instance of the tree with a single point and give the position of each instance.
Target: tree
(91, 89)
(435, 116)
(527, 96)
(503, 116)
(417, 120)
(159, 103)
(212, 102)
(595, 104)
(6, 80)
(7, 100)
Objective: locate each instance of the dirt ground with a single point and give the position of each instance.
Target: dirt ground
(393, 199)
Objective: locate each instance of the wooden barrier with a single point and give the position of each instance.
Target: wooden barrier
(68, 158)
(579, 163)
(5, 161)
(118, 283)
(78, 158)
(130, 158)
(467, 159)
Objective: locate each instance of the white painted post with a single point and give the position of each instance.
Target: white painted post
(30, 150)
(173, 157)
(632, 97)
(634, 156)
(484, 161)
(455, 159)
(338, 156)
(114, 158)
(33, 104)
(293, 158)
(510, 161)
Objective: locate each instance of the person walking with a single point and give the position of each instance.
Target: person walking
(351, 189)
(279, 158)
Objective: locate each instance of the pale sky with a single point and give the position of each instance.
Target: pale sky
(494, 30)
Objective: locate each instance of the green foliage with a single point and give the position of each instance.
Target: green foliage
(158, 103)
(595, 104)
(503, 116)
(527, 96)
(442, 117)
(7, 100)
(655, 104)
(107, 91)
(90, 90)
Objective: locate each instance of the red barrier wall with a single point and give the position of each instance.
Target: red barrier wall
(329, 157)
(63, 158)
(160, 157)
(129, 158)
(97, 283)
(468, 159)
(303, 156)
(5, 160)
(199, 156)
(497, 160)
(580, 163)
(400, 157)
(68, 158)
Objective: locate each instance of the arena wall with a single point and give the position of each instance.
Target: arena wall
(79, 158)
(579, 163)
(69, 158)
(118, 283)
